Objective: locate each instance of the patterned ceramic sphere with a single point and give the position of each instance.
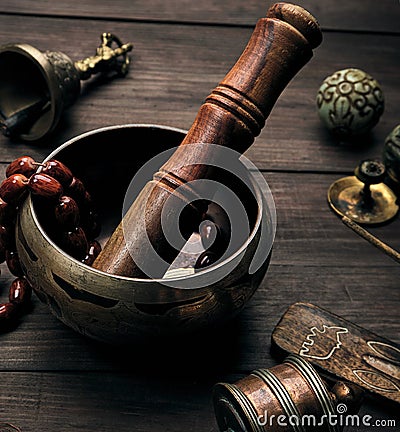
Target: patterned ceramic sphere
(350, 102)
(391, 153)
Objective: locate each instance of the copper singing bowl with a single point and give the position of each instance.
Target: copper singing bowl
(119, 309)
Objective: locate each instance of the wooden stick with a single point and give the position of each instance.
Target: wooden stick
(371, 238)
(232, 116)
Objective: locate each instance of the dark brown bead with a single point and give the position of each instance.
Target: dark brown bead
(8, 312)
(7, 212)
(75, 243)
(76, 190)
(20, 291)
(3, 234)
(206, 259)
(13, 187)
(93, 253)
(24, 165)
(45, 186)
(2, 252)
(13, 263)
(3, 211)
(209, 233)
(67, 213)
(85, 202)
(91, 224)
(59, 171)
(7, 236)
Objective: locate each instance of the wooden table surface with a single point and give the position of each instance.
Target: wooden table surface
(53, 379)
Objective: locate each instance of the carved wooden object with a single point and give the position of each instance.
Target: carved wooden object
(232, 115)
(341, 348)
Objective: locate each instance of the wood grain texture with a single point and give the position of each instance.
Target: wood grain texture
(339, 15)
(232, 116)
(315, 259)
(167, 84)
(73, 402)
(51, 378)
(123, 402)
(340, 349)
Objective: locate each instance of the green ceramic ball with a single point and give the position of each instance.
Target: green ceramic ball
(350, 102)
(391, 153)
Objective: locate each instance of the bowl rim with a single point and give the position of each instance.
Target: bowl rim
(239, 251)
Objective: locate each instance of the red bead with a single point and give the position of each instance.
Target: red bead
(13, 263)
(13, 187)
(3, 210)
(7, 212)
(67, 213)
(77, 190)
(209, 233)
(7, 236)
(91, 224)
(45, 186)
(8, 312)
(59, 171)
(2, 251)
(75, 243)
(24, 165)
(206, 259)
(20, 291)
(3, 234)
(93, 253)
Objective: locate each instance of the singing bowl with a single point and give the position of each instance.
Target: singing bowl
(117, 309)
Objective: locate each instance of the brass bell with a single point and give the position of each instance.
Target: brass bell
(36, 87)
(332, 364)
(287, 397)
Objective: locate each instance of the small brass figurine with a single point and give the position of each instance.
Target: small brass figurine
(36, 87)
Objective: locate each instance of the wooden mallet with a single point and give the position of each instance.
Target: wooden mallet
(232, 116)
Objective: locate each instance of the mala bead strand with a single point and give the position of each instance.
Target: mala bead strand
(48, 185)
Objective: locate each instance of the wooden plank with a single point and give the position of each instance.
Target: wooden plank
(338, 15)
(341, 349)
(167, 84)
(315, 259)
(90, 402)
(309, 233)
(124, 402)
(367, 296)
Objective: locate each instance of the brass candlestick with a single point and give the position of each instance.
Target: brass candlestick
(364, 198)
(36, 87)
